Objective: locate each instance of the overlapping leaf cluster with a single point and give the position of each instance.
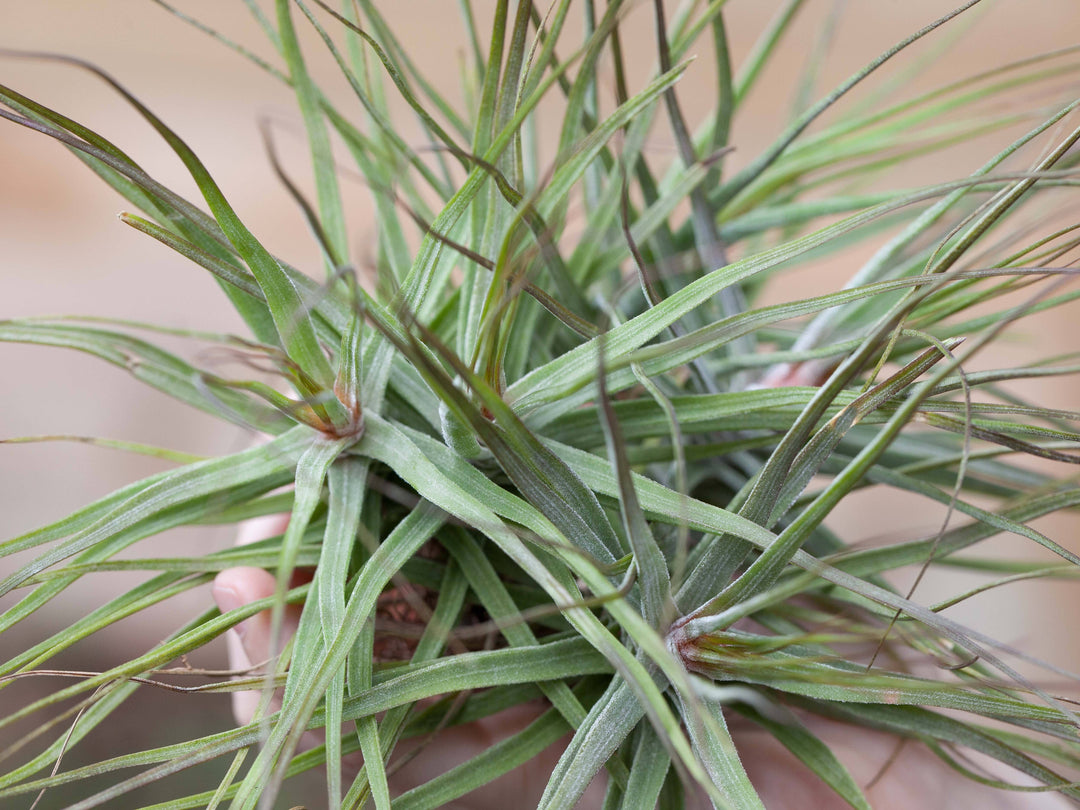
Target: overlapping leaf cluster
(561, 388)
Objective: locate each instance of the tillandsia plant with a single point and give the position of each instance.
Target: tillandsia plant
(556, 451)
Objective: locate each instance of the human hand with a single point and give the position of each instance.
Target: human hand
(249, 646)
(915, 777)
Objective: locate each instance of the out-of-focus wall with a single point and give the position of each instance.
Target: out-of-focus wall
(62, 251)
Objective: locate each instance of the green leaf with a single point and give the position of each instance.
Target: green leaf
(333, 215)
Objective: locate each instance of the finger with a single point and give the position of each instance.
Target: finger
(259, 528)
(249, 643)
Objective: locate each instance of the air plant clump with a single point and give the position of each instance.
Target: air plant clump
(561, 450)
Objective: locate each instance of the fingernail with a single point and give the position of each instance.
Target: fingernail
(226, 598)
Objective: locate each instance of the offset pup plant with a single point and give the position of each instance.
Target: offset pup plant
(561, 425)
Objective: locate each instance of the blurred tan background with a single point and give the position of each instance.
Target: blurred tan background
(62, 251)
